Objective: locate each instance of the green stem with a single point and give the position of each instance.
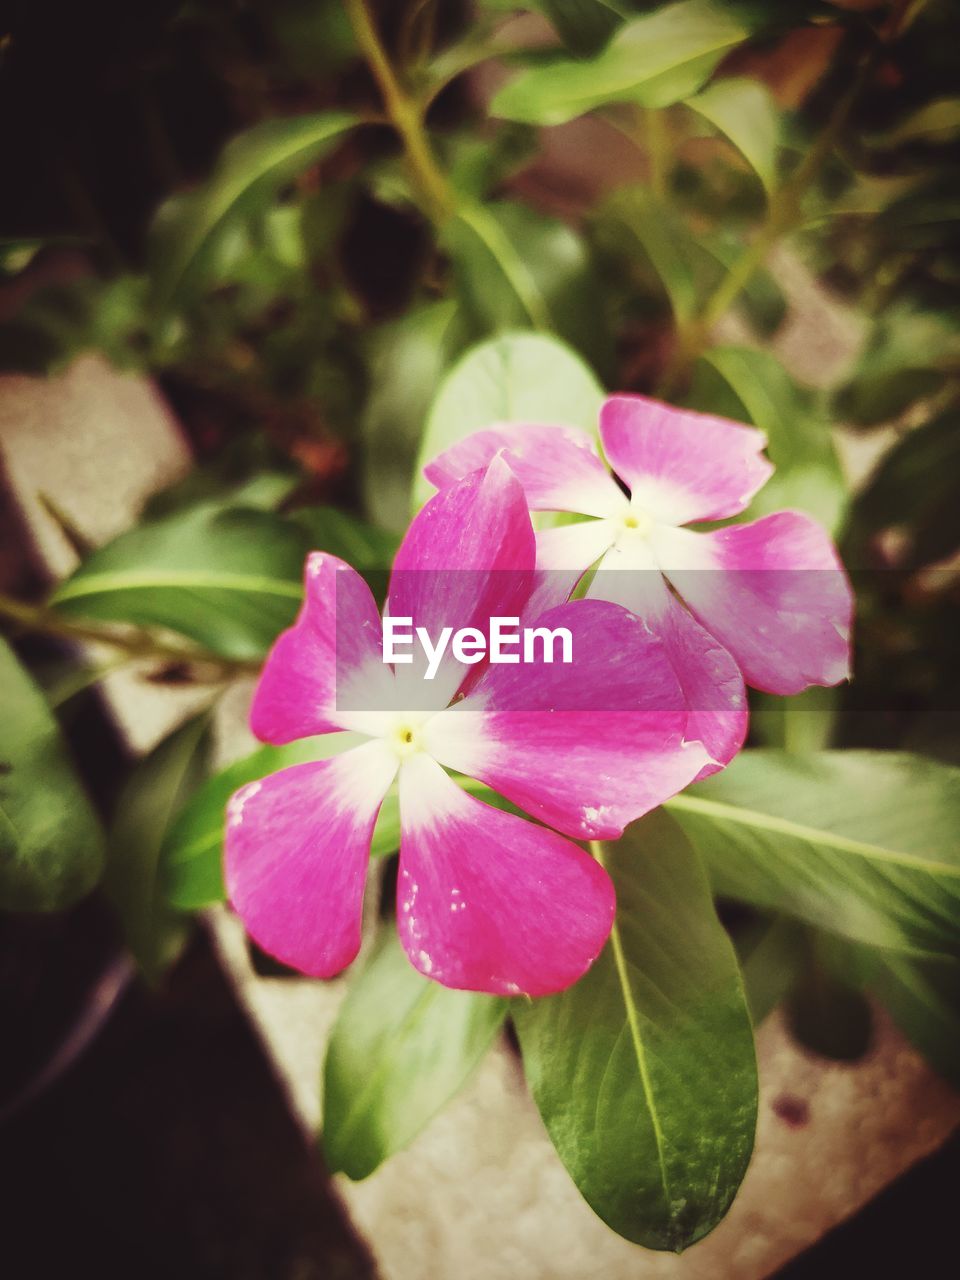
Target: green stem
(134, 641)
(783, 213)
(405, 116)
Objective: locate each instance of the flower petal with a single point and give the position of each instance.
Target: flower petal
(564, 554)
(297, 845)
(469, 555)
(588, 746)
(558, 467)
(680, 465)
(773, 592)
(710, 680)
(486, 901)
(573, 546)
(333, 647)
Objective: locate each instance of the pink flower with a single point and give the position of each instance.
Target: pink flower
(768, 599)
(486, 900)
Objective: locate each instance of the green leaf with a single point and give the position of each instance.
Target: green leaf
(402, 1047)
(752, 386)
(513, 377)
(652, 244)
(862, 844)
(251, 169)
(586, 25)
(406, 360)
(925, 217)
(228, 578)
(635, 219)
(915, 489)
(923, 998)
(476, 166)
(906, 357)
(655, 60)
(51, 845)
(771, 955)
(762, 301)
(365, 546)
(938, 121)
(644, 1070)
(826, 1011)
(746, 113)
(247, 472)
(516, 268)
(149, 801)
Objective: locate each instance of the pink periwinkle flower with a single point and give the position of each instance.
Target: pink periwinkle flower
(767, 602)
(486, 900)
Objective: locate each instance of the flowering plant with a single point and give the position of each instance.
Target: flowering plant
(567, 724)
(587, 749)
(485, 901)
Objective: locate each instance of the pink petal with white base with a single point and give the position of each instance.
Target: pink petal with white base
(564, 555)
(489, 902)
(586, 747)
(558, 467)
(297, 847)
(307, 672)
(774, 594)
(469, 555)
(710, 680)
(573, 546)
(680, 465)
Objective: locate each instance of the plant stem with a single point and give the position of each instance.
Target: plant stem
(135, 641)
(782, 214)
(405, 116)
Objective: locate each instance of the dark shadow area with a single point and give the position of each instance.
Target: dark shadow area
(167, 1148)
(908, 1230)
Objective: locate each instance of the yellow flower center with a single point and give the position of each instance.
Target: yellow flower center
(638, 523)
(406, 739)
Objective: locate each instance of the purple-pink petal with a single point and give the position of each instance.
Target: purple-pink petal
(469, 555)
(558, 466)
(586, 747)
(680, 465)
(710, 680)
(486, 901)
(334, 645)
(296, 852)
(774, 594)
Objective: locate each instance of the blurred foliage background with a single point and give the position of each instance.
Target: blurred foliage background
(340, 236)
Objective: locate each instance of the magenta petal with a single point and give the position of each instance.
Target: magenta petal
(774, 594)
(586, 747)
(712, 685)
(489, 902)
(710, 680)
(297, 845)
(469, 555)
(558, 467)
(305, 671)
(680, 465)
